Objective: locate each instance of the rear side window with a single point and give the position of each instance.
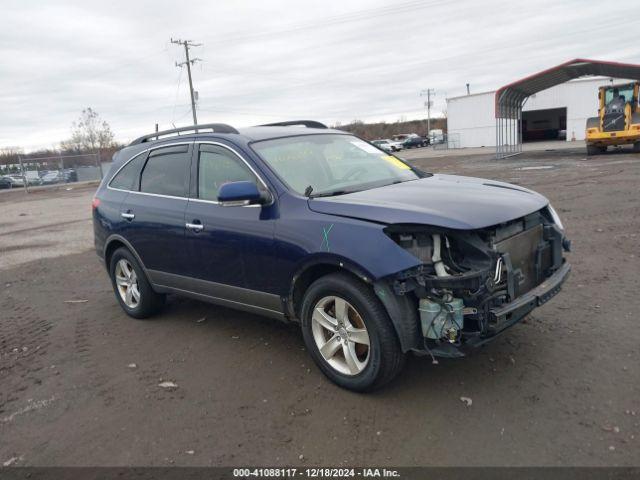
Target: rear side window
(127, 177)
(167, 172)
(217, 166)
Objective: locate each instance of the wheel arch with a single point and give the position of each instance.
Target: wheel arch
(402, 309)
(116, 241)
(313, 269)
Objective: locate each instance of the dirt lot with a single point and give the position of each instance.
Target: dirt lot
(48, 222)
(79, 381)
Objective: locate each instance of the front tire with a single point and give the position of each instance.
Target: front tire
(636, 147)
(349, 334)
(131, 286)
(592, 150)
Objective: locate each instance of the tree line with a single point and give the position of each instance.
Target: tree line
(90, 134)
(373, 131)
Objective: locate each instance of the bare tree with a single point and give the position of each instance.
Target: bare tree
(89, 133)
(9, 156)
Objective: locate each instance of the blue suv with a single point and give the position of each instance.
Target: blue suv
(373, 257)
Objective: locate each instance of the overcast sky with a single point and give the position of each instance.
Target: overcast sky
(271, 60)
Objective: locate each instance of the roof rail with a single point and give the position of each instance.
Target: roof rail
(214, 127)
(290, 123)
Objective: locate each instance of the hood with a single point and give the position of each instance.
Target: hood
(447, 201)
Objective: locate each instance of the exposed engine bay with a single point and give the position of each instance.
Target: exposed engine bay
(474, 284)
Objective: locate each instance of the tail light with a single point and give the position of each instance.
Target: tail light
(95, 203)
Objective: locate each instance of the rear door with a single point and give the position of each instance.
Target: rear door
(154, 211)
(108, 218)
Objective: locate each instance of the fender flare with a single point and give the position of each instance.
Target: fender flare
(337, 262)
(119, 238)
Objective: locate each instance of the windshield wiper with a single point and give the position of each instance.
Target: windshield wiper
(331, 193)
(308, 190)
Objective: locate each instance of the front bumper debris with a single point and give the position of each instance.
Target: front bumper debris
(505, 316)
(502, 317)
(472, 285)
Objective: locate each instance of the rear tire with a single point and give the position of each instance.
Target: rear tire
(348, 360)
(131, 286)
(636, 147)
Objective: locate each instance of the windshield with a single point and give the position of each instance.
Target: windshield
(317, 165)
(622, 93)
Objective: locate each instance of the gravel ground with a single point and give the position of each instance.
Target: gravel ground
(45, 223)
(79, 381)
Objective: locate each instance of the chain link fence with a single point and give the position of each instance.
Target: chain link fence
(36, 171)
(449, 141)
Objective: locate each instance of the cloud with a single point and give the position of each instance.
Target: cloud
(334, 61)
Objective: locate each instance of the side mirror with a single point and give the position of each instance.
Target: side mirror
(238, 194)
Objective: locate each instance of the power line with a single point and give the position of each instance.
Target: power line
(354, 16)
(188, 62)
(175, 102)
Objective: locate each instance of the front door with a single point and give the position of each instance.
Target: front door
(228, 247)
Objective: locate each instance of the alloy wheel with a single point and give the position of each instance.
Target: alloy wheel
(127, 283)
(340, 335)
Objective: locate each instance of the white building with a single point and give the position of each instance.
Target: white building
(558, 112)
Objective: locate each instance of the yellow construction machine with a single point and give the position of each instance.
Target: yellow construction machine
(618, 120)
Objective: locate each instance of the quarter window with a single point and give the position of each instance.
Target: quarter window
(217, 166)
(167, 172)
(127, 177)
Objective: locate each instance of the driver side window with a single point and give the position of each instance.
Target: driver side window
(217, 166)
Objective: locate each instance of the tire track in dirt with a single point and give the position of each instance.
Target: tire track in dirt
(83, 349)
(24, 339)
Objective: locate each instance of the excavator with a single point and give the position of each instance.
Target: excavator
(618, 120)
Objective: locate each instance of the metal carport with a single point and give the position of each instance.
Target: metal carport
(510, 98)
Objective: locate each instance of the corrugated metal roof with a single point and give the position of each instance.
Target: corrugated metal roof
(510, 97)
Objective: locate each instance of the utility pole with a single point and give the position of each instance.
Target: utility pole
(188, 62)
(428, 93)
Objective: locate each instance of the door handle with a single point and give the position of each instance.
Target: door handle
(195, 227)
(127, 216)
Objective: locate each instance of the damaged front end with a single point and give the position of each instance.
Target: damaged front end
(471, 285)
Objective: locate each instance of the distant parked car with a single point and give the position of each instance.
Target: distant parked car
(384, 145)
(51, 177)
(396, 145)
(16, 180)
(415, 141)
(69, 175)
(436, 136)
(388, 145)
(5, 183)
(33, 178)
(401, 137)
